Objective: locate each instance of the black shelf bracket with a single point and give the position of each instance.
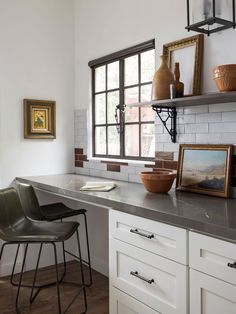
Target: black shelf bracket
(171, 115)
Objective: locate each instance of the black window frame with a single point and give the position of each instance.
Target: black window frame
(105, 60)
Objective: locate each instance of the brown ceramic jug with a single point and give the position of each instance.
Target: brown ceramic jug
(162, 80)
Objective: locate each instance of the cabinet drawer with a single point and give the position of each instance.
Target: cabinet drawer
(155, 281)
(121, 303)
(212, 256)
(152, 236)
(209, 295)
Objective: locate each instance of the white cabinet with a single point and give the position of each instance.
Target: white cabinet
(122, 303)
(212, 256)
(153, 236)
(139, 267)
(209, 295)
(212, 275)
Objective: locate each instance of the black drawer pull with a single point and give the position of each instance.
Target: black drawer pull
(148, 236)
(136, 274)
(232, 265)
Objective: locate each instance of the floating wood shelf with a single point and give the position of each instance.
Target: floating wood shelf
(206, 99)
(169, 106)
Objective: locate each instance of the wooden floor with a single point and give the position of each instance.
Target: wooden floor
(46, 302)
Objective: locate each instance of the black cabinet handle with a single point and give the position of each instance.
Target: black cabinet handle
(148, 236)
(136, 274)
(232, 265)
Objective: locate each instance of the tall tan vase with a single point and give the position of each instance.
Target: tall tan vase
(162, 80)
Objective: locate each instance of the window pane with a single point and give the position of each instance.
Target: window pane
(131, 70)
(132, 140)
(147, 140)
(146, 93)
(112, 102)
(147, 66)
(147, 114)
(100, 140)
(100, 109)
(100, 79)
(113, 141)
(131, 97)
(113, 75)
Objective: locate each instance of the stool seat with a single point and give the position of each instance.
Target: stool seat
(34, 231)
(59, 211)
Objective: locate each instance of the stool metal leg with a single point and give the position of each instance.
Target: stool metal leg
(32, 295)
(14, 266)
(57, 279)
(88, 251)
(81, 270)
(20, 279)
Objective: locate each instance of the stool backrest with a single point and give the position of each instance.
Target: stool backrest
(11, 211)
(29, 201)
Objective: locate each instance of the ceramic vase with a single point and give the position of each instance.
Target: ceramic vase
(162, 80)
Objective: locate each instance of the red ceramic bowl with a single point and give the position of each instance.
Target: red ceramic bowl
(158, 181)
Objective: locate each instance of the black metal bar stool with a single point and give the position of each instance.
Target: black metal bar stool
(16, 228)
(51, 212)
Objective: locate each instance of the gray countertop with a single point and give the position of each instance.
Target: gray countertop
(209, 215)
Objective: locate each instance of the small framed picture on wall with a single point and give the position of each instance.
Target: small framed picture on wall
(39, 119)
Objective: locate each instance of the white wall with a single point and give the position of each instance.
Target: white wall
(36, 61)
(106, 26)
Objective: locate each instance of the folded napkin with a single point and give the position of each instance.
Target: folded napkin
(99, 186)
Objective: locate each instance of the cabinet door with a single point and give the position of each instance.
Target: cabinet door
(155, 281)
(121, 303)
(209, 295)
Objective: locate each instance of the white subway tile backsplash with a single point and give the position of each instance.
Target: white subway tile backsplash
(171, 147)
(183, 119)
(222, 107)
(186, 138)
(127, 169)
(196, 109)
(228, 138)
(82, 171)
(223, 127)
(121, 176)
(196, 128)
(228, 116)
(134, 178)
(208, 138)
(209, 117)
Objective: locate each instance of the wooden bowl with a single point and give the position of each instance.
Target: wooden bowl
(225, 77)
(158, 181)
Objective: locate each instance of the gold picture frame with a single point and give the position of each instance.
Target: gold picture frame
(205, 169)
(189, 53)
(39, 119)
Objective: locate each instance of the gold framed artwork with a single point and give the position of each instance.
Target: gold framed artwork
(189, 53)
(39, 119)
(205, 169)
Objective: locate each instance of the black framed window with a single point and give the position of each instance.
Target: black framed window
(121, 79)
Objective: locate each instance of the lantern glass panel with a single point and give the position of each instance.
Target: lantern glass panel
(200, 10)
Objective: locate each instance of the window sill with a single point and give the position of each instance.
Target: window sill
(129, 161)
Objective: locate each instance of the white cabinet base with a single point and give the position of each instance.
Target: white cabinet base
(209, 295)
(121, 303)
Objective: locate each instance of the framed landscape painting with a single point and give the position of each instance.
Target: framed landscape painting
(205, 169)
(39, 119)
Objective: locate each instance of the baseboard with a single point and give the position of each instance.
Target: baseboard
(6, 269)
(100, 266)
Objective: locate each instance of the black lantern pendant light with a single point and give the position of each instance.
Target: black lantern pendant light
(210, 16)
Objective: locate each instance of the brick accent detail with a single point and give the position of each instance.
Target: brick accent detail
(171, 164)
(113, 167)
(164, 155)
(79, 163)
(114, 163)
(159, 164)
(79, 151)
